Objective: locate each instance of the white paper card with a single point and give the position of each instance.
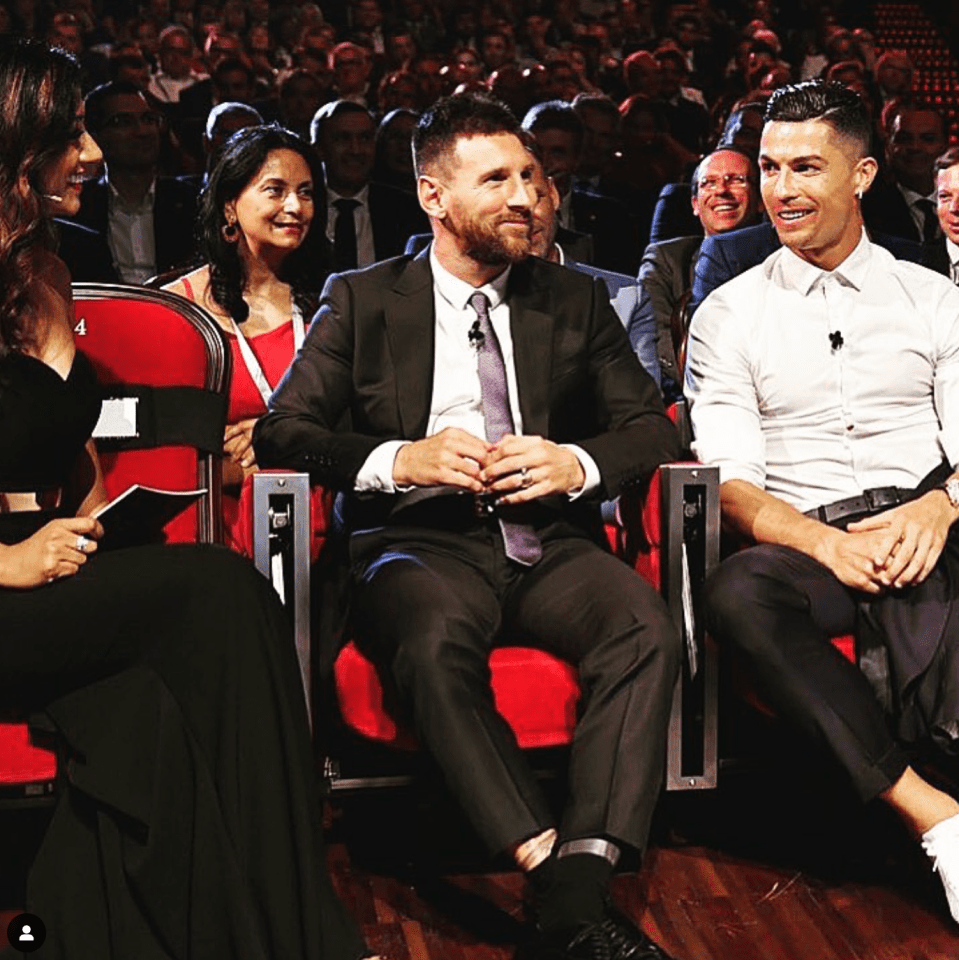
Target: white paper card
(118, 419)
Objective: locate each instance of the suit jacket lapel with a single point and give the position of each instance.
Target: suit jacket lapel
(531, 328)
(410, 330)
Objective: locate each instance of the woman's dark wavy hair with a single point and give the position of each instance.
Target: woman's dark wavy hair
(306, 268)
(39, 97)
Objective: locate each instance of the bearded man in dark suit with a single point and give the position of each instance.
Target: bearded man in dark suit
(494, 403)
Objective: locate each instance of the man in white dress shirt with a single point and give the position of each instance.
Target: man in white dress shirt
(494, 402)
(825, 384)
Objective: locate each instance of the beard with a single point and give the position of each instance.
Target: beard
(484, 241)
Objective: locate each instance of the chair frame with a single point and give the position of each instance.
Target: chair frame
(689, 512)
(209, 474)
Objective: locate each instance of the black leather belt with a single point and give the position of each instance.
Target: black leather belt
(869, 501)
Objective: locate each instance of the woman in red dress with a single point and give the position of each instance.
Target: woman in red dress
(265, 266)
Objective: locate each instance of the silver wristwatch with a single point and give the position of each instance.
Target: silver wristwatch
(951, 486)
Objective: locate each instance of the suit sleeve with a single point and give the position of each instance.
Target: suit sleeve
(657, 303)
(300, 431)
(635, 434)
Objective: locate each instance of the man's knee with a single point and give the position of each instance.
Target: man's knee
(743, 585)
(441, 656)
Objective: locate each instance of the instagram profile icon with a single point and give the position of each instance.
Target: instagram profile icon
(26, 933)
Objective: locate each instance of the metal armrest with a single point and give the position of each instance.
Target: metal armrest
(689, 501)
(281, 552)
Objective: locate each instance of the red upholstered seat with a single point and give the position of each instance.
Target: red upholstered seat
(146, 338)
(541, 714)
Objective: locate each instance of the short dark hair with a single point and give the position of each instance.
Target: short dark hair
(96, 101)
(469, 114)
(335, 108)
(842, 108)
(946, 160)
(555, 115)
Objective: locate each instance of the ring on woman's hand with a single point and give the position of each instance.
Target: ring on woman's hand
(525, 479)
(82, 542)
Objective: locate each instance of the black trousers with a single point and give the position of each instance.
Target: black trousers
(429, 606)
(778, 608)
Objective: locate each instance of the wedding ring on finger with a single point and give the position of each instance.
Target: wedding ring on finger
(525, 479)
(82, 542)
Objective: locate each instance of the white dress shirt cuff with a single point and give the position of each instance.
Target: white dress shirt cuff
(590, 470)
(376, 474)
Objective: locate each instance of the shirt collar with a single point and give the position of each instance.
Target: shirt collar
(146, 203)
(802, 275)
(911, 196)
(562, 255)
(362, 196)
(953, 251)
(457, 292)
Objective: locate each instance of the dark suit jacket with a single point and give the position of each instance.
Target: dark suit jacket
(174, 215)
(885, 210)
(615, 233)
(673, 216)
(85, 252)
(395, 217)
(369, 354)
(665, 275)
(624, 297)
(726, 255)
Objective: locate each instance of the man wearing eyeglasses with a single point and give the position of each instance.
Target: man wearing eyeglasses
(147, 220)
(725, 197)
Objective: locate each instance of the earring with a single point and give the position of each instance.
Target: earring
(230, 231)
(859, 194)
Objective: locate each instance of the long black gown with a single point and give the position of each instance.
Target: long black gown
(189, 823)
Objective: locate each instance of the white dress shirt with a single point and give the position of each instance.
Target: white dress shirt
(131, 237)
(457, 393)
(775, 404)
(365, 251)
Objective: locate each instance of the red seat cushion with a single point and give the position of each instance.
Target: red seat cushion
(20, 761)
(541, 713)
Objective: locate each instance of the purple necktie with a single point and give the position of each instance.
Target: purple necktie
(520, 540)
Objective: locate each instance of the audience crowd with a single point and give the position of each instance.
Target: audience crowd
(624, 97)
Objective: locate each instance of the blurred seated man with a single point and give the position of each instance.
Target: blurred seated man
(947, 199)
(146, 219)
(224, 120)
(624, 291)
(558, 131)
(494, 402)
(825, 385)
(725, 196)
(367, 221)
(175, 72)
(903, 202)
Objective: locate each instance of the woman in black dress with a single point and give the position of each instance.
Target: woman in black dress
(188, 825)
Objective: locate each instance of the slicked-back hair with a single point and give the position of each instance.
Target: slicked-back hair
(843, 109)
(468, 114)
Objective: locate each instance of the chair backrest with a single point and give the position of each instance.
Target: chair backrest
(170, 358)
(164, 364)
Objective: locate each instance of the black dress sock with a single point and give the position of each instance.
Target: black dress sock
(570, 891)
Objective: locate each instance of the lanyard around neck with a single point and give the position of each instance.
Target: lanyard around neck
(253, 365)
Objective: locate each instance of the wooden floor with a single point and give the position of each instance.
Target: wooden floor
(772, 866)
